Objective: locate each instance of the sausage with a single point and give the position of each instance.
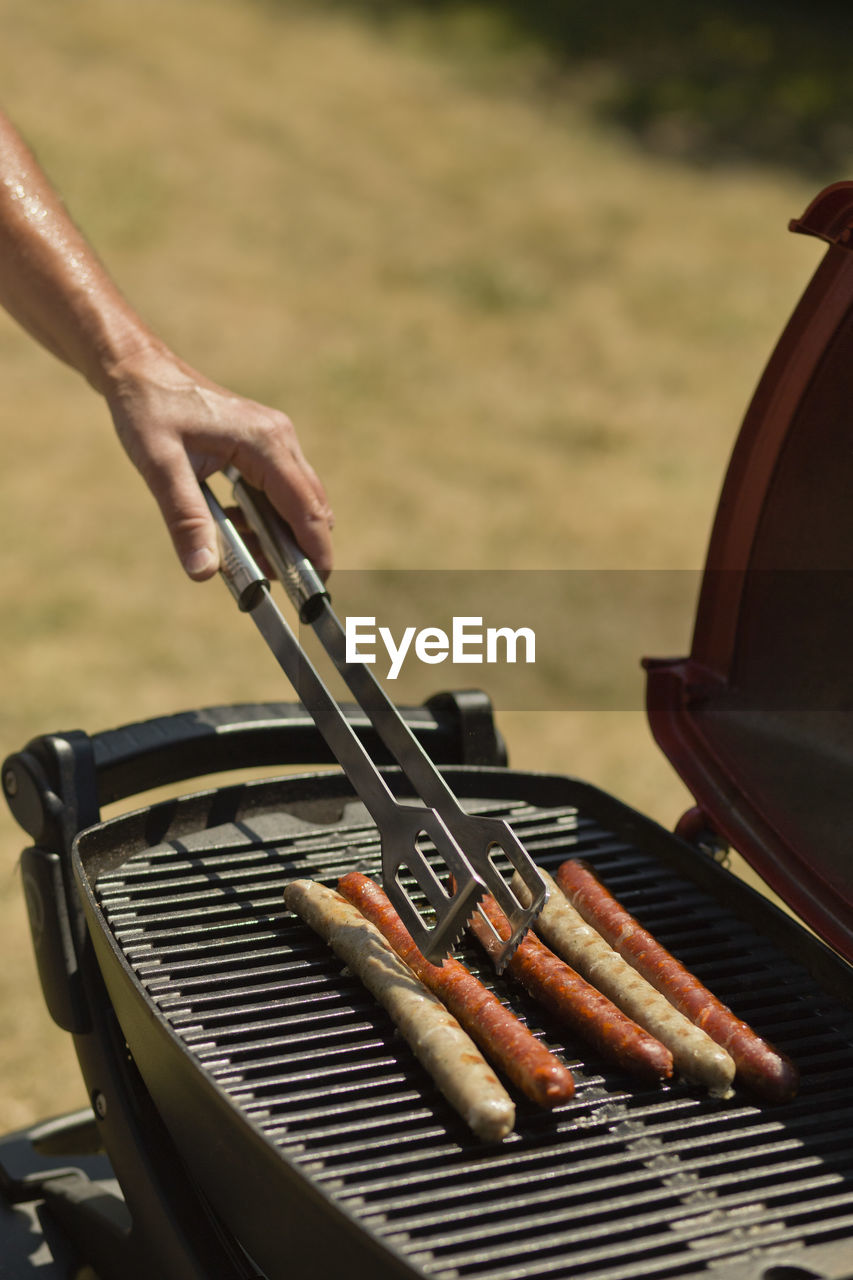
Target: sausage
(694, 1053)
(574, 1002)
(760, 1067)
(499, 1033)
(443, 1048)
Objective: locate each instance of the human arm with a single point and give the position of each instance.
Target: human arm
(175, 424)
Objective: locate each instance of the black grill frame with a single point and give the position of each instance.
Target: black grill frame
(610, 1115)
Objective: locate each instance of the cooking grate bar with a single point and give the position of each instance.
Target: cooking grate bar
(655, 1256)
(782, 1154)
(709, 1239)
(395, 1088)
(631, 1212)
(189, 1022)
(359, 1128)
(406, 1116)
(311, 1025)
(307, 1042)
(146, 958)
(336, 1060)
(215, 968)
(239, 996)
(585, 1161)
(425, 1132)
(537, 1216)
(565, 1159)
(233, 926)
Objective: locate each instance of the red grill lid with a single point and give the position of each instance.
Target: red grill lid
(758, 720)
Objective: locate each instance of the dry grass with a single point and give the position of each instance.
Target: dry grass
(508, 338)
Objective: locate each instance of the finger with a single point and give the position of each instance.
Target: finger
(176, 488)
(315, 482)
(307, 517)
(295, 451)
(299, 498)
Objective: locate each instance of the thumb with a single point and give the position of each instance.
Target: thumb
(190, 524)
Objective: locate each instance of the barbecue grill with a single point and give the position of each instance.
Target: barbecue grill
(258, 1114)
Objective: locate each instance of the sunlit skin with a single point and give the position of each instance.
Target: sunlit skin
(176, 425)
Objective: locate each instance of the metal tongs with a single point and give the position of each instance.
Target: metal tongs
(464, 843)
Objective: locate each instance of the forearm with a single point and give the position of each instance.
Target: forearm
(175, 424)
(51, 281)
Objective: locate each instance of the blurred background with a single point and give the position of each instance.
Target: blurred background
(513, 270)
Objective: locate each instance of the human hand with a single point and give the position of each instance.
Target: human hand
(178, 428)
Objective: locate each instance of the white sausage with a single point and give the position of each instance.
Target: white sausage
(443, 1048)
(694, 1053)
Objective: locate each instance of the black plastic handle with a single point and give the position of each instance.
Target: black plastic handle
(57, 784)
(191, 744)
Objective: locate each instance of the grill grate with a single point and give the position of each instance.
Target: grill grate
(625, 1181)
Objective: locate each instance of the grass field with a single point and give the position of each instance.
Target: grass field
(511, 337)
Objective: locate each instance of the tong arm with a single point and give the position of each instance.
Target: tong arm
(300, 579)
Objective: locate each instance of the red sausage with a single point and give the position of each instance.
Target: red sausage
(760, 1066)
(528, 1063)
(554, 984)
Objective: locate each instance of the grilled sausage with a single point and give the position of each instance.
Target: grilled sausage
(574, 1002)
(498, 1032)
(760, 1067)
(694, 1053)
(443, 1048)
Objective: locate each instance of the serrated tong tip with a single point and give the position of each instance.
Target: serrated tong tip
(520, 920)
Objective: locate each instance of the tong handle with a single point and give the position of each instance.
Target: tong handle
(237, 565)
(304, 586)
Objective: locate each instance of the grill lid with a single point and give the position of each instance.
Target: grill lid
(758, 720)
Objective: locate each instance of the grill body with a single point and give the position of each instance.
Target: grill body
(325, 1148)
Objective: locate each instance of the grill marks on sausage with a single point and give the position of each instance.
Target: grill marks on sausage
(588, 1013)
(499, 1033)
(760, 1067)
(435, 1036)
(694, 1053)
